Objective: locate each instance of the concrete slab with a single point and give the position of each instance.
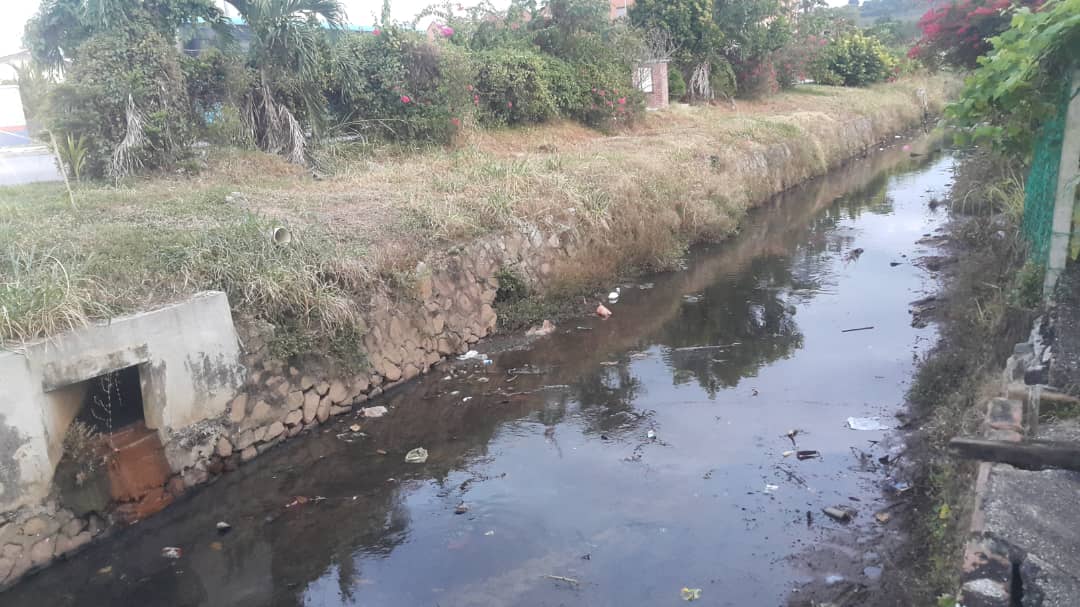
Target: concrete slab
(32, 165)
(188, 357)
(1035, 512)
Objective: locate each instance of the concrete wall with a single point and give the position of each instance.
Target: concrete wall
(189, 364)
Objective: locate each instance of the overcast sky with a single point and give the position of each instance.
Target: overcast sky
(14, 14)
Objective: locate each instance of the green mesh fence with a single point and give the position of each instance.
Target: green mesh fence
(1041, 185)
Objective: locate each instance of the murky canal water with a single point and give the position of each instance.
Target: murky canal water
(548, 447)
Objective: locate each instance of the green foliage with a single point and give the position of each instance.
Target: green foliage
(722, 79)
(398, 86)
(854, 59)
(132, 65)
(512, 286)
(73, 154)
(794, 61)
(34, 84)
(520, 86)
(757, 78)
(1017, 85)
(60, 27)
(690, 23)
(1027, 287)
(957, 32)
(676, 83)
(894, 34)
(753, 28)
(567, 22)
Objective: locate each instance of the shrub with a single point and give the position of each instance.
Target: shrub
(125, 95)
(520, 86)
(757, 79)
(675, 83)
(854, 59)
(600, 63)
(216, 85)
(794, 60)
(1019, 85)
(722, 79)
(398, 86)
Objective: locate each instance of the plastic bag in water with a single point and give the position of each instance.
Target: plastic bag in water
(867, 423)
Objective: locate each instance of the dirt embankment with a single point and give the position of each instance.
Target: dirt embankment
(635, 200)
(984, 306)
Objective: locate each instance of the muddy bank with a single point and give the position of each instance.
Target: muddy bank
(634, 456)
(982, 306)
(443, 306)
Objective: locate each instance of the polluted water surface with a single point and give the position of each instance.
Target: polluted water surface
(686, 448)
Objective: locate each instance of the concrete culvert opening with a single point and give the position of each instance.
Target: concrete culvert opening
(112, 402)
(111, 459)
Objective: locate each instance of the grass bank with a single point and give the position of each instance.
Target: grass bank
(634, 201)
(986, 304)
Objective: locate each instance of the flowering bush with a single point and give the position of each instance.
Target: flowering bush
(607, 108)
(756, 79)
(520, 86)
(1019, 84)
(398, 86)
(957, 33)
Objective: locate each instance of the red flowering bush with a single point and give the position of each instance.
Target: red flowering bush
(755, 79)
(957, 33)
(400, 87)
(607, 108)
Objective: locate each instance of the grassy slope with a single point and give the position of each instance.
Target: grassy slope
(638, 198)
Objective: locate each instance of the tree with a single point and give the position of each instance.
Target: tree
(1022, 80)
(54, 34)
(287, 39)
(958, 33)
(693, 29)
(751, 28)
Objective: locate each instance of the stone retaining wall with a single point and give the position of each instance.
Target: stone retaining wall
(448, 309)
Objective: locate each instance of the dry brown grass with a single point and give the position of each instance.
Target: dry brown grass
(638, 198)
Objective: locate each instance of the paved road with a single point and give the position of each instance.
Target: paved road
(27, 165)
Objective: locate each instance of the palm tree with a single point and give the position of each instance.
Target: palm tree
(285, 41)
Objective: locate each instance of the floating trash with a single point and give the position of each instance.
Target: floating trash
(867, 423)
(690, 594)
(842, 514)
(375, 411)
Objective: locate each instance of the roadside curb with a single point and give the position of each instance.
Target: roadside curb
(24, 150)
(991, 566)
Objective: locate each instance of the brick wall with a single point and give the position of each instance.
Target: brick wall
(619, 8)
(651, 78)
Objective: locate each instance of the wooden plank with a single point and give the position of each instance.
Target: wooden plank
(1029, 455)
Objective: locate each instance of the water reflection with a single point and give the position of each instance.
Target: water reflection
(548, 448)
